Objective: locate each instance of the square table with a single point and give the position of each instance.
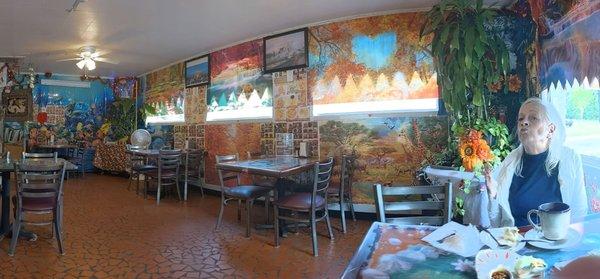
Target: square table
(408, 240)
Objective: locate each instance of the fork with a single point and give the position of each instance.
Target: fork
(494, 238)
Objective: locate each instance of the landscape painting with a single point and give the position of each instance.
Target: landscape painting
(286, 51)
(371, 59)
(389, 150)
(197, 71)
(238, 87)
(165, 92)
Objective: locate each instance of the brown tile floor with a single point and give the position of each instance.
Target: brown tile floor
(112, 233)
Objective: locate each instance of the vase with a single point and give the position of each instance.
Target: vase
(476, 204)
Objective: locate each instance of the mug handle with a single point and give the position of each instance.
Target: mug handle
(536, 212)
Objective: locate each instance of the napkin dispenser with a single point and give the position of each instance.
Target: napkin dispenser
(303, 151)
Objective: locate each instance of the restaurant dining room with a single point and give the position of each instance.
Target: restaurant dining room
(300, 139)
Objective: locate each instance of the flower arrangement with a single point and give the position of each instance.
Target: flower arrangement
(474, 151)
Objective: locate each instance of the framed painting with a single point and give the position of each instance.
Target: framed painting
(18, 105)
(286, 51)
(197, 71)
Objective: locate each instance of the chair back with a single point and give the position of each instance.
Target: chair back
(40, 155)
(169, 160)
(384, 204)
(194, 162)
(227, 175)
(346, 173)
(322, 172)
(39, 181)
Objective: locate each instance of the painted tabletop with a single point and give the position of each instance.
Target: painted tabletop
(281, 166)
(399, 251)
(6, 166)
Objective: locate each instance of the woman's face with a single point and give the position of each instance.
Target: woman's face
(534, 129)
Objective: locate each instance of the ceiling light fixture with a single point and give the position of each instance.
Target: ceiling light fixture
(86, 62)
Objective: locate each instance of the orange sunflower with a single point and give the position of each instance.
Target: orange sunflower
(474, 150)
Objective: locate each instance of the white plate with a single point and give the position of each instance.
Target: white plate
(573, 238)
(488, 260)
(498, 232)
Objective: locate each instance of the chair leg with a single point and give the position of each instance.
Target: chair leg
(221, 212)
(15, 234)
(313, 228)
(179, 192)
(328, 223)
(248, 216)
(342, 214)
(158, 192)
(130, 178)
(239, 210)
(145, 187)
(351, 203)
(267, 197)
(276, 224)
(137, 186)
(58, 229)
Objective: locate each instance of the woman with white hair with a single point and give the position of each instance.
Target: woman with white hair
(540, 170)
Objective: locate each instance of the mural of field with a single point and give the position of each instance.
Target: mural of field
(230, 139)
(370, 59)
(165, 90)
(389, 150)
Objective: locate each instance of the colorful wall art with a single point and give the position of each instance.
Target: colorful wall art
(230, 139)
(165, 92)
(238, 88)
(371, 64)
(390, 150)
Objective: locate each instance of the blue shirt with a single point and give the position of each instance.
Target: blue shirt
(533, 188)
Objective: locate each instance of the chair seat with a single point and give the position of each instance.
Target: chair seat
(144, 168)
(164, 174)
(300, 201)
(38, 204)
(246, 191)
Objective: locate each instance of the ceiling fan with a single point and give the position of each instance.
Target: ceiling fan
(87, 57)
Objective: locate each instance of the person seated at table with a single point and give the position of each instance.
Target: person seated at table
(539, 170)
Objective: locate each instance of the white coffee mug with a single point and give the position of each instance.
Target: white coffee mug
(555, 218)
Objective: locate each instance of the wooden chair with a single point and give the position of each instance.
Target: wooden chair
(343, 191)
(308, 204)
(167, 172)
(53, 155)
(239, 192)
(194, 169)
(138, 167)
(39, 191)
(383, 205)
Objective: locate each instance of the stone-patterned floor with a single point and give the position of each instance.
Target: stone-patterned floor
(112, 233)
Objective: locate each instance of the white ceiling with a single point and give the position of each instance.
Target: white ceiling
(147, 34)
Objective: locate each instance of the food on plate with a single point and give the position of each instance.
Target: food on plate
(500, 273)
(528, 266)
(454, 241)
(510, 236)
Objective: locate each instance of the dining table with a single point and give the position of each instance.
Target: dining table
(7, 166)
(415, 258)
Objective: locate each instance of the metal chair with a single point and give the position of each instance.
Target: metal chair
(308, 203)
(39, 191)
(343, 191)
(137, 167)
(194, 169)
(53, 155)
(77, 157)
(167, 172)
(239, 192)
(383, 205)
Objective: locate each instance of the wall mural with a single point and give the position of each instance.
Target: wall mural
(237, 83)
(290, 96)
(389, 150)
(370, 59)
(195, 104)
(230, 139)
(164, 90)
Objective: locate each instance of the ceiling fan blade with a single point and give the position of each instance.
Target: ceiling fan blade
(99, 53)
(106, 60)
(69, 59)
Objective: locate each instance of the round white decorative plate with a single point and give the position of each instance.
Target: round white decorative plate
(488, 260)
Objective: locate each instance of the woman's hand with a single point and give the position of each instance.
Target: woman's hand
(490, 182)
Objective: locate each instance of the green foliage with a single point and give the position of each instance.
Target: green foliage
(497, 136)
(467, 58)
(122, 116)
(583, 104)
